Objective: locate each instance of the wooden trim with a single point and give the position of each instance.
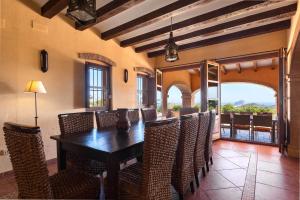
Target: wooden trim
(230, 37)
(223, 69)
(145, 70)
(191, 21)
(238, 66)
(182, 67)
(150, 18)
(226, 25)
(97, 57)
(251, 57)
(109, 10)
(53, 7)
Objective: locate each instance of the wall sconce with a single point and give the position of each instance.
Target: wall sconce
(44, 60)
(125, 75)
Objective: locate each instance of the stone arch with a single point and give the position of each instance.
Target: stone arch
(185, 91)
(252, 82)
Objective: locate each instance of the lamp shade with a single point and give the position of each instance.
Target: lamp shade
(35, 86)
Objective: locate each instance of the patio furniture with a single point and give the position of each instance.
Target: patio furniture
(241, 122)
(114, 149)
(25, 146)
(149, 114)
(183, 170)
(170, 113)
(199, 156)
(265, 113)
(73, 123)
(208, 143)
(188, 110)
(106, 119)
(263, 123)
(134, 115)
(152, 179)
(245, 113)
(226, 122)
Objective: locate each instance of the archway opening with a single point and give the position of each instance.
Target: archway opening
(248, 97)
(174, 100)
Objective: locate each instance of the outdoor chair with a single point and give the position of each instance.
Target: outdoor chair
(188, 110)
(149, 114)
(183, 170)
(226, 122)
(26, 150)
(106, 119)
(208, 143)
(241, 122)
(73, 123)
(263, 123)
(170, 113)
(152, 178)
(134, 115)
(199, 154)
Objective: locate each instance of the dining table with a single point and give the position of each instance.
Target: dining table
(105, 145)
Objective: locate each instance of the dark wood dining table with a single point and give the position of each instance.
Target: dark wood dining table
(106, 145)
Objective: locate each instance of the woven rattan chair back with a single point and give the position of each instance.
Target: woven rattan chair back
(183, 171)
(160, 144)
(106, 119)
(225, 118)
(262, 120)
(208, 145)
(134, 115)
(25, 147)
(149, 114)
(187, 111)
(243, 119)
(76, 122)
(199, 156)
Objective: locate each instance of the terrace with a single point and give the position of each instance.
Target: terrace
(86, 89)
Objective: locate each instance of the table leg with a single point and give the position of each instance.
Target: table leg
(113, 168)
(61, 157)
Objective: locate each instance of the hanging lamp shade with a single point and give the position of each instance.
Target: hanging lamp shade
(82, 10)
(171, 50)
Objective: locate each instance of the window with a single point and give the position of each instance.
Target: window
(97, 86)
(142, 90)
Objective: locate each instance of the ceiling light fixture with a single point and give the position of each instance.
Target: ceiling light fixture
(171, 49)
(82, 10)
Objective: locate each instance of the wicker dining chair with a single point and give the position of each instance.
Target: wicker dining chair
(149, 114)
(151, 180)
(199, 156)
(106, 119)
(134, 115)
(26, 150)
(188, 110)
(72, 123)
(208, 144)
(183, 170)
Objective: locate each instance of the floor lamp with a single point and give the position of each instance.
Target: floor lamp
(35, 87)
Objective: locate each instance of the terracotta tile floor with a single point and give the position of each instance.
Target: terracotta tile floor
(277, 177)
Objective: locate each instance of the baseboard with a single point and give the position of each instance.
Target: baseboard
(10, 173)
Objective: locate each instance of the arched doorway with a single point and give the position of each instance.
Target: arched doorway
(174, 98)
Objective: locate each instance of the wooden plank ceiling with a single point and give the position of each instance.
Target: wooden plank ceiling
(145, 24)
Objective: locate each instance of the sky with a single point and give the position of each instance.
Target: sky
(233, 92)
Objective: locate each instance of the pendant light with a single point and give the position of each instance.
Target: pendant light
(82, 10)
(171, 49)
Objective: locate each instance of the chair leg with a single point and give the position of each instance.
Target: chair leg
(197, 179)
(192, 187)
(203, 171)
(207, 166)
(211, 161)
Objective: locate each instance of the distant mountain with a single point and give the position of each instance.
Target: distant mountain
(239, 103)
(244, 103)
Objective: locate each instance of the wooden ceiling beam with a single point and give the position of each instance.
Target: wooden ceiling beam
(152, 17)
(53, 7)
(226, 25)
(223, 69)
(190, 22)
(273, 63)
(230, 37)
(109, 10)
(181, 67)
(255, 66)
(238, 67)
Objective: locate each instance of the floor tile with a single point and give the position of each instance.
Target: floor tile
(266, 192)
(235, 176)
(213, 180)
(225, 194)
(228, 153)
(223, 163)
(278, 180)
(278, 168)
(240, 161)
